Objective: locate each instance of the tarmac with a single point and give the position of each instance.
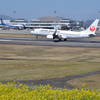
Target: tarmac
(46, 42)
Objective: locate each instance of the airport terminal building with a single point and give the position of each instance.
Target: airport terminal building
(48, 22)
(52, 22)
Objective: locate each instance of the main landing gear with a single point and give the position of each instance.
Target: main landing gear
(58, 40)
(36, 37)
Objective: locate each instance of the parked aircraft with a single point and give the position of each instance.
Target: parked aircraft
(63, 34)
(11, 26)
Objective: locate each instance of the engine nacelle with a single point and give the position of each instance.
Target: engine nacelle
(49, 37)
(61, 36)
(91, 35)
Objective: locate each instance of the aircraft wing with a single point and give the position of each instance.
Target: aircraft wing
(56, 35)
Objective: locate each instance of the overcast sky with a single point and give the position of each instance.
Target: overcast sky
(33, 9)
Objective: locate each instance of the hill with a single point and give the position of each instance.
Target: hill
(4, 17)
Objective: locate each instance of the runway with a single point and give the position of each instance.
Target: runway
(48, 42)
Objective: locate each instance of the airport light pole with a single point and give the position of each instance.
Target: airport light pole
(55, 15)
(14, 14)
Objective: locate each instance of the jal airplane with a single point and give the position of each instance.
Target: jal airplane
(63, 34)
(12, 26)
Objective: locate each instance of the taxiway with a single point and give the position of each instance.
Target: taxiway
(46, 42)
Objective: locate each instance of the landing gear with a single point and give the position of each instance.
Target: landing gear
(36, 37)
(58, 37)
(65, 39)
(56, 40)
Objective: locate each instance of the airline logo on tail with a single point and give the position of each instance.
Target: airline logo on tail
(2, 22)
(92, 28)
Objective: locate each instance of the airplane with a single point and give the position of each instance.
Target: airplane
(64, 34)
(11, 26)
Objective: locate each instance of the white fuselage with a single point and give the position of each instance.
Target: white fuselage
(42, 32)
(62, 33)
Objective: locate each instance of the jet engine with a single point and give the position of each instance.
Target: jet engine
(91, 35)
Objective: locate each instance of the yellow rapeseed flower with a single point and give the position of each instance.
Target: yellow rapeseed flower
(12, 91)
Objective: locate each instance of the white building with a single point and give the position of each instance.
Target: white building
(52, 22)
(47, 22)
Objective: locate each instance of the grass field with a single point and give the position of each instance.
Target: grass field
(23, 62)
(91, 82)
